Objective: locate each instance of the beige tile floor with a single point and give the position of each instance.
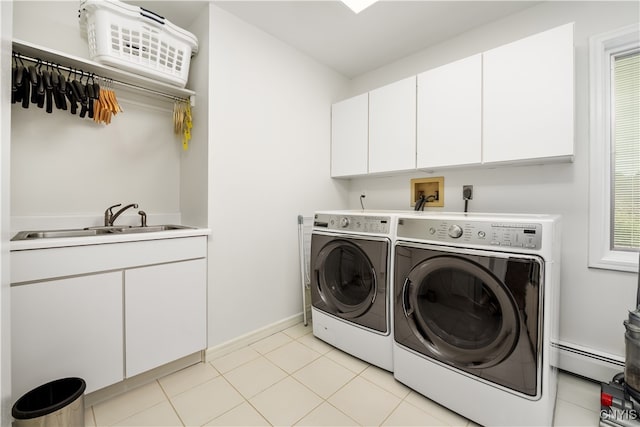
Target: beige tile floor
(292, 378)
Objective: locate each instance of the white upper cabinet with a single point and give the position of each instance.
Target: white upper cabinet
(350, 136)
(392, 127)
(511, 104)
(528, 98)
(450, 114)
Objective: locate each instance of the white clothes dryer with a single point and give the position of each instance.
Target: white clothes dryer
(350, 268)
(475, 310)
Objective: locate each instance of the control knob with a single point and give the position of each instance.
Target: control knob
(455, 231)
(344, 222)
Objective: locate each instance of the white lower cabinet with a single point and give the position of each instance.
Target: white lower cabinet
(67, 327)
(125, 309)
(165, 312)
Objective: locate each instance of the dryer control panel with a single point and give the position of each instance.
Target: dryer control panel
(509, 234)
(357, 223)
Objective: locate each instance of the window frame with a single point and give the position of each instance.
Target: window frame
(601, 49)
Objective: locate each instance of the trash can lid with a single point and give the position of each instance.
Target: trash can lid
(48, 398)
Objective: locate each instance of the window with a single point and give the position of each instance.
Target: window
(625, 206)
(614, 205)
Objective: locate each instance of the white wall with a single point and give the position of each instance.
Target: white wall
(52, 23)
(194, 162)
(258, 158)
(64, 165)
(5, 166)
(270, 130)
(594, 302)
(268, 113)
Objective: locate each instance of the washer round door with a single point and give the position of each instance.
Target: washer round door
(460, 311)
(346, 278)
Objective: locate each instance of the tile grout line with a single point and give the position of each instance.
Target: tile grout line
(288, 375)
(138, 411)
(245, 400)
(356, 374)
(236, 367)
(342, 412)
(326, 400)
(275, 348)
(431, 414)
(392, 411)
(93, 416)
(171, 403)
(322, 399)
(577, 405)
(375, 375)
(359, 374)
(259, 355)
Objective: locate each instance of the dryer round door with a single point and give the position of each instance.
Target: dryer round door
(461, 312)
(346, 278)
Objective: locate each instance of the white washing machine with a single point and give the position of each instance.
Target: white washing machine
(351, 273)
(475, 311)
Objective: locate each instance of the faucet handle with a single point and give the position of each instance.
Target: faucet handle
(143, 218)
(109, 213)
(109, 209)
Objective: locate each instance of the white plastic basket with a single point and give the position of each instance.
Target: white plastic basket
(137, 40)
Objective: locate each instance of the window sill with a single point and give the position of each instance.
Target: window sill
(615, 260)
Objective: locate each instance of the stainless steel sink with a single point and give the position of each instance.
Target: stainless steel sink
(94, 231)
(152, 228)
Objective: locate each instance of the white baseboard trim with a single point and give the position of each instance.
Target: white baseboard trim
(589, 363)
(251, 337)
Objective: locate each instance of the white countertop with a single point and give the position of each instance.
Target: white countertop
(21, 245)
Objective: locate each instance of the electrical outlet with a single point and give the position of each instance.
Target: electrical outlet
(467, 192)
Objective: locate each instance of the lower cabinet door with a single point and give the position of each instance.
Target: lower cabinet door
(165, 314)
(67, 328)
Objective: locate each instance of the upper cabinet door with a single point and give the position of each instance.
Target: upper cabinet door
(392, 127)
(450, 114)
(350, 136)
(528, 98)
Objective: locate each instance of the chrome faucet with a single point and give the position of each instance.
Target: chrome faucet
(110, 217)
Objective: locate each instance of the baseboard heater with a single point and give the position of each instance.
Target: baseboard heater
(587, 362)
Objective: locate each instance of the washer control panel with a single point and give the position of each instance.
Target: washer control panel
(357, 223)
(509, 234)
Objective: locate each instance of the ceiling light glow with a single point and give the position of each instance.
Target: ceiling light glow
(358, 5)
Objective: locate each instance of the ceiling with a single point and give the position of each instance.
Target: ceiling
(353, 44)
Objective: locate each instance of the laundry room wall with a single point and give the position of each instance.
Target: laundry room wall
(6, 24)
(269, 161)
(194, 164)
(63, 165)
(594, 302)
